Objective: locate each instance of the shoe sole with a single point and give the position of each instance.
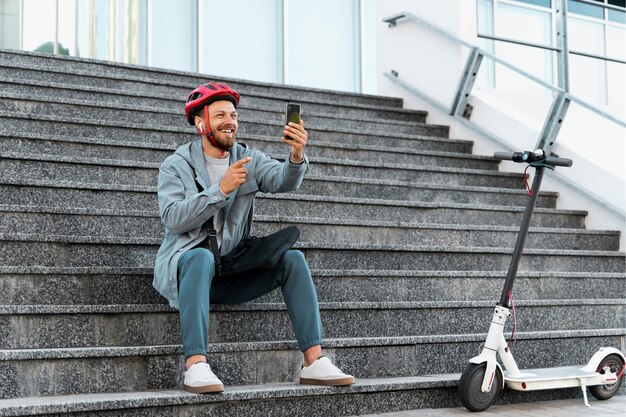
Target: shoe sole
(329, 382)
(205, 389)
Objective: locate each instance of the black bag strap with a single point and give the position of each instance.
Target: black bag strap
(212, 233)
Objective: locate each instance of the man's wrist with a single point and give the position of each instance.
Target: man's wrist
(296, 161)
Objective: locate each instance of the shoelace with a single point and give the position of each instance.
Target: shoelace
(329, 367)
(204, 365)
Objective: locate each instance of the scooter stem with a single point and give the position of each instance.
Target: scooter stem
(521, 237)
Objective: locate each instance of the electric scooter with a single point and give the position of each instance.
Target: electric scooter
(483, 377)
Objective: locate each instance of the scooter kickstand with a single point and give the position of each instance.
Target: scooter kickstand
(583, 386)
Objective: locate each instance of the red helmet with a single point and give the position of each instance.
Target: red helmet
(207, 94)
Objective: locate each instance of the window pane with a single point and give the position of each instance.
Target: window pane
(617, 16)
(38, 30)
(586, 36)
(321, 44)
(543, 3)
(10, 24)
(524, 24)
(588, 79)
(172, 42)
(615, 42)
(534, 26)
(486, 77)
(67, 26)
(241, 39)
(616, 77)
(585, 9)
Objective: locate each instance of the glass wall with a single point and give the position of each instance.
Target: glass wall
(298, 42)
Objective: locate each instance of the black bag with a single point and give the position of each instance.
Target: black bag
(256, 252)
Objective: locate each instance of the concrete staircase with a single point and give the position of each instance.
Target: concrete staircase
(407, 233)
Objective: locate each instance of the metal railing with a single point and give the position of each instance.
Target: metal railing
(461, 110)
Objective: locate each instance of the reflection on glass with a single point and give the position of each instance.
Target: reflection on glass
(585, 9)
(617, 16)
(542, 3)
(10, 24)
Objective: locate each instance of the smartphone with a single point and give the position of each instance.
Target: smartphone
(293, 113)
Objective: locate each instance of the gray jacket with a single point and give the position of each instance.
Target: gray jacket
(184, 210)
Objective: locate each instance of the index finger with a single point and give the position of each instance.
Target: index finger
(242, 161)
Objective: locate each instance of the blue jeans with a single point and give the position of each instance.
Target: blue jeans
(196, 289)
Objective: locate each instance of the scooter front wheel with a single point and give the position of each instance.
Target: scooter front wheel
(470, 385)
(604, 392)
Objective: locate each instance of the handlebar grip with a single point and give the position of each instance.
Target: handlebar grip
(561, 162)
(505, 156)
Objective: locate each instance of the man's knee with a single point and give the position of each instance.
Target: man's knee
(199, 261)
(294, 259)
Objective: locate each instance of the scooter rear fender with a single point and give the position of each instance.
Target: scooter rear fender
(596, 359)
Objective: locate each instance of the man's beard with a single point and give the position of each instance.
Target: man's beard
(225, 140)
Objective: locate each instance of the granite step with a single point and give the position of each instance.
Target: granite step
(324, 179)
(428, 167)
(55, 101)
(139, 368)
(288, 399)
(40, 143)
(75, 194)
(368, 396)
(51, 285)
(180, 133)
(139, 79)
(168, 97)
(258, 121)
(15, 164)
(139, 252)
(75, 126)
(68, 326)
(45, 220)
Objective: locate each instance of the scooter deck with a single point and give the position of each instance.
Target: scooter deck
(549, 374)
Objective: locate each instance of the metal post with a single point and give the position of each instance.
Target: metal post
(562, 56)
(553, 122)
(55, 49)
(285, 41)
(460, 103)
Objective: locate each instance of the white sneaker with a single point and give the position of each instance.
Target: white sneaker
(199, 379)
(323, 372)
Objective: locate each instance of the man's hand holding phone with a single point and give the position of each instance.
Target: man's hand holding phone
(294, 133)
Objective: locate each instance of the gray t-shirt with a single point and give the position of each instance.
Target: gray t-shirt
(216, 168)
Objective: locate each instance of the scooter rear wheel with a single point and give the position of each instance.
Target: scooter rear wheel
(470, 385)
(604, 392)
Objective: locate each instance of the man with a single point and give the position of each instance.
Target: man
(216, 177)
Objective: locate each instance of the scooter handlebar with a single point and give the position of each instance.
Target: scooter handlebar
(529, 157)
